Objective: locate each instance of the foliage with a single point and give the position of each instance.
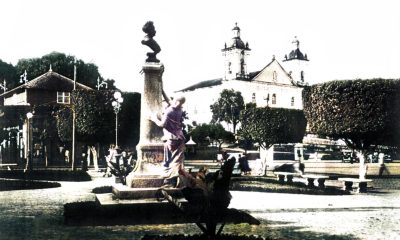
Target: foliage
(9, 73)
(219, 135)
(129, 118)
(95, 118)
(87, 73)
(268, 126)
(64, 124)
(227, 108)
(121, 171)
(365, 113)
(213, 132)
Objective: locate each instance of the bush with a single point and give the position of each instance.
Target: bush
(50, 175)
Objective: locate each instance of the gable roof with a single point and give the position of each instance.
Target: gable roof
(280, 66)
(49, 81)
(203, 84)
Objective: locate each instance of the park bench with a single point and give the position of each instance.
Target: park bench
(8, 165)
(348, 184)
(311, 178)
(288, 176)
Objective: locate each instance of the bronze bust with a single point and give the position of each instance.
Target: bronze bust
(148, 40)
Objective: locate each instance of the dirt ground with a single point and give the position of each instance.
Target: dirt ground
(38, 214)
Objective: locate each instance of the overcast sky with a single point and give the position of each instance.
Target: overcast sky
(342, 39)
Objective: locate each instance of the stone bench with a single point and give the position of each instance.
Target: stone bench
(348, 184)
(288, 176)
(8, 165)
(311, 178)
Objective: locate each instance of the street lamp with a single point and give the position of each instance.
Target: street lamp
(101, 83)
(3, 86)
(117, 106)
(28, 166)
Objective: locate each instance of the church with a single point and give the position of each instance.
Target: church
(278, 84)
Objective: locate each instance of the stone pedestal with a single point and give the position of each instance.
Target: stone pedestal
(148, 169)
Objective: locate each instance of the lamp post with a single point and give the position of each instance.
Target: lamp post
(3, 86)
(117, 106)
(101, 83)
(28, 166)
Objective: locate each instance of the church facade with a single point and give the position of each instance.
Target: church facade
(277, 85)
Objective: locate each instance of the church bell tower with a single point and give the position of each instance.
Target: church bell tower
(296, 63)
(236, 53)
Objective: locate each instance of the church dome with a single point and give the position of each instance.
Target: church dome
(238, 43)
(296, 53)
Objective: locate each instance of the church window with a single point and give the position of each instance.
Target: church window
(292, 102)
(242, 66)
(229, 68)
(274, 76)
(253, 98)
(274, 98)
(302, 76)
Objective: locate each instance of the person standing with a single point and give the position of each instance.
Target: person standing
(174, 146)
(244, 165)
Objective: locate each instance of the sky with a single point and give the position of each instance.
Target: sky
(343, 39)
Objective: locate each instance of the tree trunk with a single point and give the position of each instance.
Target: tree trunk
(95, 162)
(46, 157)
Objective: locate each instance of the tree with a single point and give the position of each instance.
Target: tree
(364, 113)
(129, 118)
(95, 118)
(87, 73)
(268, 126)
(9, 73)
(219, 135)
(227, 108)
(200, 134)
(213, 132)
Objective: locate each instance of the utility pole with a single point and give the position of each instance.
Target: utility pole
(73, 120)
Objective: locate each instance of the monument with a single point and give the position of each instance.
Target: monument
(145, 199)
(150, 149)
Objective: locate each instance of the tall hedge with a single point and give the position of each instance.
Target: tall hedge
(364, 113)
(268, 126)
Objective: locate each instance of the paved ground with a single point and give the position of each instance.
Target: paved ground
(37, 214)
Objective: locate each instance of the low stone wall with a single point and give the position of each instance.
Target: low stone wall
(391, 169)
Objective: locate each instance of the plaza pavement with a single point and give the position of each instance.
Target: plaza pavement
(37, 214)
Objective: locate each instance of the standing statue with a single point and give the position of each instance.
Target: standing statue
(174, 146)
(148, 40)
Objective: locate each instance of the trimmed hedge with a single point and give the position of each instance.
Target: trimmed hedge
(362, 112)
(268, 126)
(18, 184)
(50, 175)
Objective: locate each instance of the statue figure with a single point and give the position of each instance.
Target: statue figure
(174, 146)
(148, 40)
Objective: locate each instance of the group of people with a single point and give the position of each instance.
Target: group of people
(243, 162)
